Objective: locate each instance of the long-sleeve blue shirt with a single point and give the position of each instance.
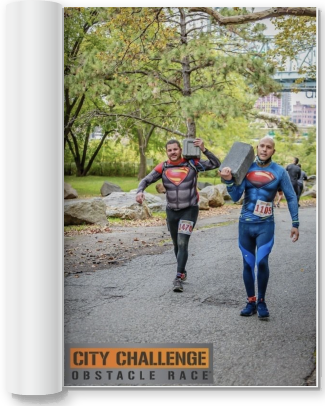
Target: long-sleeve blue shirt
(260, 186)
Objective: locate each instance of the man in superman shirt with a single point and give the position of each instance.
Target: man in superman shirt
(179, 177)
(256, 221)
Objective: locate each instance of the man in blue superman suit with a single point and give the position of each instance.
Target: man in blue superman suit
(179, 177)
(256, 221)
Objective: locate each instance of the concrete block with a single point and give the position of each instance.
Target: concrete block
(189, 150)
(239, 159)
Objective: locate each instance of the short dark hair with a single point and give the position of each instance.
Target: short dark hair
(173, 142)
(296, 160)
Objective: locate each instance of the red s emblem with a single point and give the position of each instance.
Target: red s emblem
(260, 178)
(176, 175)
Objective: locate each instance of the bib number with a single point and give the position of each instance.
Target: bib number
(185, 227)
(263, 209)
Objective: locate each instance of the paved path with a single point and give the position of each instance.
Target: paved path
(134, 303)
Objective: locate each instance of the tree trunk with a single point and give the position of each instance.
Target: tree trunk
(80, 171)
(143, 165)
(187, 91)
(143, 140)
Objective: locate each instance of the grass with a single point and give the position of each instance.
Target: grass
(89, 186)
(224, 223)
(159, 214)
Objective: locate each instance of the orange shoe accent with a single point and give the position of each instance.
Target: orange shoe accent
(252, 299)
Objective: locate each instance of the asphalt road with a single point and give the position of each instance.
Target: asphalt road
(134, 303)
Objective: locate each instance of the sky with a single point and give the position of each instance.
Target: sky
(301, 96)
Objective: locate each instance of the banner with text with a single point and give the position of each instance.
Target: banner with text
(138, 364)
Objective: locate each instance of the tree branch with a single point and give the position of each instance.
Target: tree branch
(280, 121)
(91, 160)
(259, 15)
(156, 74)
(101, 114)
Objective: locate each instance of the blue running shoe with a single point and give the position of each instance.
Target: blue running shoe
(262, 311)
(249, 310)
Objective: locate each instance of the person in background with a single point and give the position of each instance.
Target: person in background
(179, 177)
(294, 173)
(256, 221)
(303, 177)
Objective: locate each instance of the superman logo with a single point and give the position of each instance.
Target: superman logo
(260, 178)
(176, 175)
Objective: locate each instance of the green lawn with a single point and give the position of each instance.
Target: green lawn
(89, 186)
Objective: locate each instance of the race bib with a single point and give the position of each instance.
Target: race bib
(263, 209)
(185, 227)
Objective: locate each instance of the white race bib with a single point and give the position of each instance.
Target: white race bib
(185, 227)
(263, 209)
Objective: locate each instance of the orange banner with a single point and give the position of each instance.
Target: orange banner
(192, 358)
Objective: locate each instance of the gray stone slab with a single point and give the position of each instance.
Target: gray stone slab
(239, 159)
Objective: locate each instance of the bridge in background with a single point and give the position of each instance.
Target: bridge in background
(288, 77)
(288, 82)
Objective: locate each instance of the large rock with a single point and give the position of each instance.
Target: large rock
(202, 185)
(155, 203)
(123, 205)
(311, 192)
(160, 188)
(69, 192)
(203, 203)
(108, 188)
(223, 190)
(87, 211)
(311, 181)
(214, 196)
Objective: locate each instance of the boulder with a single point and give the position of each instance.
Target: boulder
(86, 211)
(160, 188)
(69, 192)
(223, 190)
(311, 181)
(214, 196)
(108, 188)
(202, 185)
(203, 203)
(123, 205)
(311, 192)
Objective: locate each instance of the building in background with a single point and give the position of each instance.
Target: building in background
(286, 103)
(304, 114)
(274, 105)
(269, 104)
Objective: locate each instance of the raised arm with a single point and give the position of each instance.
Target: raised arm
(212, 163)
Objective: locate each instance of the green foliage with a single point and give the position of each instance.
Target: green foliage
(295, 35)
(289, 146)
(81, 227)
(308, 154)
(219, 138)
(125, 71)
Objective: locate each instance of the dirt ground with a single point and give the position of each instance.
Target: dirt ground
(96, 248)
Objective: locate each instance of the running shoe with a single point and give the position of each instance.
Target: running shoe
(178, 286)
(249, 310)
(262, 310)
(184, 276)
